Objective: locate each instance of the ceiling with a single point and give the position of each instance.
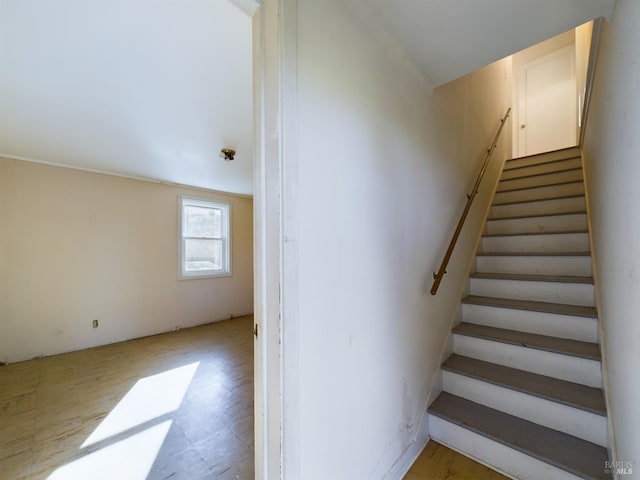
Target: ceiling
(144, 88)
(447, 39)
(155, 88)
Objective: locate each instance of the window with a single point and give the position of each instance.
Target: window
(204, 238)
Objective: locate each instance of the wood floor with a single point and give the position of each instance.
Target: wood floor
(437, 462)
(178, 405)
(184, 398)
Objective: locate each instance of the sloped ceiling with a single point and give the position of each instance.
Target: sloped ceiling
(145, 88)
(447, 39)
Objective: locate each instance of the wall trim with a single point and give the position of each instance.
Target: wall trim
(611, 444)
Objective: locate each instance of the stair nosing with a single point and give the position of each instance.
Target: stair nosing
(533, 254)
(525, 277)
(506, 163)
(532, 306)
(531, 175)
(529, 391)
(516, 202)
(550, 162)
(557, 150)
(558, 184)
(522, 426)
(537, 215)
(550, 232)
(460, 330)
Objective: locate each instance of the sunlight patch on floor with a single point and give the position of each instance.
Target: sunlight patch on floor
(138, 420)
(128, 459)
(150, 398)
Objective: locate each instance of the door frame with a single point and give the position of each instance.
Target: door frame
(275, 232)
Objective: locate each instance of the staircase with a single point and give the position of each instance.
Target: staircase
(522, 390)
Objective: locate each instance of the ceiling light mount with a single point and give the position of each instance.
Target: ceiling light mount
(228, 154)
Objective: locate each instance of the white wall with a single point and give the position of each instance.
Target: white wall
(77, 246)
(612, 168)
(370, 202)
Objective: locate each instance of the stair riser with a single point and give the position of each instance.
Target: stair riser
(539, 180)
(553, 265)
(538, 224)
(566, 242)
(542, 168)
(545, 158)
(574, 421)
(563, 326)
(540, 193)
(493, 454)
(564, 367)
(568, 293)
(543, 207)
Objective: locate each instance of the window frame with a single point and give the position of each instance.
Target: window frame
(188, 200)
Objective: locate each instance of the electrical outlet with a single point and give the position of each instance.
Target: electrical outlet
(95, 323)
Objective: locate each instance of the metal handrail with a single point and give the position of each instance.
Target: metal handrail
(445, 261)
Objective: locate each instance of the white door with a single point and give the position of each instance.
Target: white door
(547, 117)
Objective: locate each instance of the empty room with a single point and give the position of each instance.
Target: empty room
(126, 240)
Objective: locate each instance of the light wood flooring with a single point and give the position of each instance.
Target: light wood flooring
(437, 462)
(190, 392)
(184, 398)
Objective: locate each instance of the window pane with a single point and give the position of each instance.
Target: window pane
(202, 221)
(202, 255)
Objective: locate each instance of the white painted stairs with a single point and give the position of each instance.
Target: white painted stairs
(522, 390)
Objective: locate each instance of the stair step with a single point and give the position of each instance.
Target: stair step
(533, 278)
(540, 207)
(547, 179)
(542, 158)
(533, 187)
(556, 197)
(541, 168)
(560, 169)
(534, 254)
(541, 192)
(537, 223)
(545, 288)
(536, 215)
(569, 453)
(563, 346)
(568, 393)
(544, 307)
(536, 242)
(552, 232)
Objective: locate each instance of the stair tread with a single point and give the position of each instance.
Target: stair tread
(564, 451)
(545, 307)
(548, 232)
(567, 393)
(533, 254)
(558, 197)
(533, 187)
(574, 348)
(528, 175)
(537, 215)
(533, 277)
(558, 150)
